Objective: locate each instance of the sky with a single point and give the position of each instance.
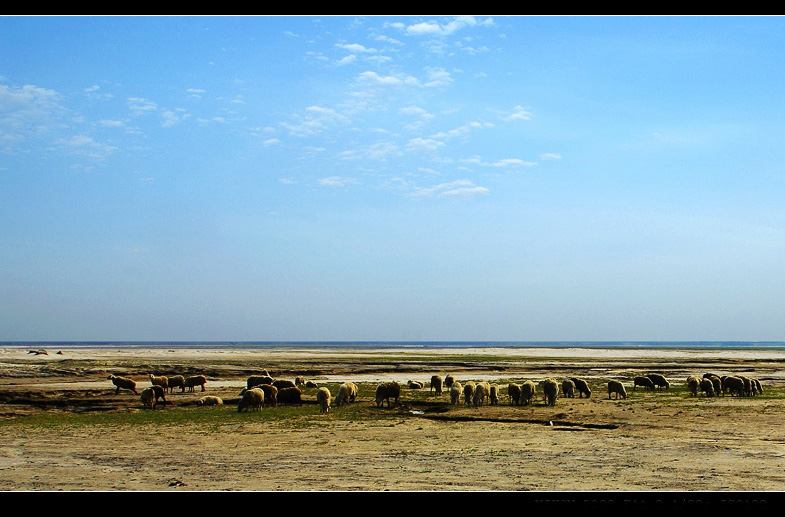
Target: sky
(328, 178)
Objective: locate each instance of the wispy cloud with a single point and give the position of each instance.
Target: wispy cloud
(459, 188)
(338, 181)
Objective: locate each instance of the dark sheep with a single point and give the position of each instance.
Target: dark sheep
(582, 387)
(256, 380)
(160, 393)
(283, 383)
(270, 394)
(290, 395)
(568, 388)
(514, 391)
(707, 387)
(436, 384)
(196, 380)
(646, 382)
(528, 389)
(299, 380)
(747, 385)
(311, 384)
(659, 380)
(123, 382)
(550, 389)
(734, 385)
(176, 381)
(468, 392)
(449, 380)
(386, 391)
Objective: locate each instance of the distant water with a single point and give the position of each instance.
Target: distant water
(399, 344)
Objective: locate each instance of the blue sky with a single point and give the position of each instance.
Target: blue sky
(380, 178)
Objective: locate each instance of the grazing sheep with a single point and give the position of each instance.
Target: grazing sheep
(344, 392)
(693, 383)
(494, 394)
(550, 390)
(528, 389)
(176, 381)
(148, 398)
(758, 386)
(449, 381)
(210, 400)
(323, 398)
(646, 382)
(716, 383)
(659, 380)
(455, 393)
(354, 390)
(468, 392)
(582, 386)
(482, 391)
(514, 392)
(415, 385)
(747, 385)
(123, 382)
(707, 387)
(734, 385)
(253, 398)
(195, 380)
(568, 388)
(436, 383)
(159, 381)
(386, 391)
(270, 394)
(256, 380)
(299, 380)
(160, 393)
(617, 388)
(291, 395)
(311, 384)
(283, 383)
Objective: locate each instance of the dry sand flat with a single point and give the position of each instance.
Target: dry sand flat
(650, 441)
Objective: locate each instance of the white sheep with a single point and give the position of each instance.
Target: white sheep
(323, 398)
(210, 400)
(693, 384)
(161, 381)
(455, 392)
(344, 392)
(482, 392)
(253, 398)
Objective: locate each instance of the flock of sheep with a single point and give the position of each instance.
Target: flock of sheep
(262, 390)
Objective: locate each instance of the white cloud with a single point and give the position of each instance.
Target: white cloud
(459, 188)
(387, 80)
(438, 77)
(518, 113)
(433, 28)
(348, 60)
(356, 47)
(511, 162)
(315, 120)
(86, 146)
(140, 106)
(338, 181)
(550, 156)
(462, 130)
(111, 123)
(271, 141)
(424, 144)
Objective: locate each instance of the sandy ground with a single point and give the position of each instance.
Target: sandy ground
(662, 440)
